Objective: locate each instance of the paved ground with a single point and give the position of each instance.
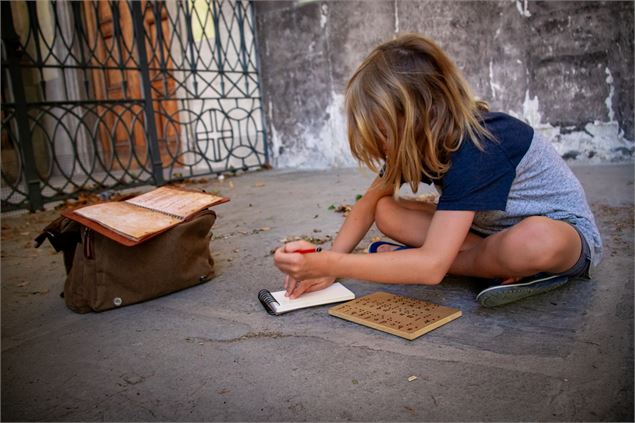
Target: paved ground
(212, 353)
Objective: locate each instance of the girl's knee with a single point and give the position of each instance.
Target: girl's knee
(549, 235)
(537, 240)
(385, 214)
(539, 226)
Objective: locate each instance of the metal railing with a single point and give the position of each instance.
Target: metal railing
(103, 95)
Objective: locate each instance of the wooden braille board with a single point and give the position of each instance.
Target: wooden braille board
(401, 316)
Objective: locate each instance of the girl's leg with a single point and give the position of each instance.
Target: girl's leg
(407, 222)
(537, 244)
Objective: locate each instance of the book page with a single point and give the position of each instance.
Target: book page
(333, 294)
(130, 221)
(175, 201)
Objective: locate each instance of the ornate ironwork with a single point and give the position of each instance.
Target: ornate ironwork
(99, 95)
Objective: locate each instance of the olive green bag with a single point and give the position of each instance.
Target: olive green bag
(104, 274)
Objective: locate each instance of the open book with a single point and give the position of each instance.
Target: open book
(137, 219)
(276, 303)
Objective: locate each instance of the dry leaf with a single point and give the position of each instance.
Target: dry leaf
(431, 198)
(345, 209)
(195, 181)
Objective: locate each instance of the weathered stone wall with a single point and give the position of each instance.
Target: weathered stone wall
(564, 67)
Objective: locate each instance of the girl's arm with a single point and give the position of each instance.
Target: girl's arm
(361, 217)
(354, 228)
(425, 265)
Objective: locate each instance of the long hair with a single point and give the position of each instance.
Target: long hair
(408, 108)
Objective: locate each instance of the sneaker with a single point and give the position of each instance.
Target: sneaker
(498, 295)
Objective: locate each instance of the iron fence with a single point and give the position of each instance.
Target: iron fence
(103, 95)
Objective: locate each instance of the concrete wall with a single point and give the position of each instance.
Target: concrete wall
(564, 67)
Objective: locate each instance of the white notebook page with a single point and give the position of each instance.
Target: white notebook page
(333, 294)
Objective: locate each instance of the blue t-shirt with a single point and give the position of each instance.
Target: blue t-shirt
(518, 175)
(481, 180)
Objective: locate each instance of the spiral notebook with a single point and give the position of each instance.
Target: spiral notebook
(276, 303)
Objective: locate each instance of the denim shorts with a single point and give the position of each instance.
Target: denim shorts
(581, 268)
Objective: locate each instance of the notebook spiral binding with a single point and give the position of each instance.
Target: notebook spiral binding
(267, 300)
(176, 216)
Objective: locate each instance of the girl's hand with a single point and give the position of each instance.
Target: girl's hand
(294, 264)
(296, 288)
(299, 267)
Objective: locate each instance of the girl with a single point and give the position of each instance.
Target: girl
(509, 210)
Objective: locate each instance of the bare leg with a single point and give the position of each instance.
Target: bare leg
(407, 222)
(537, 244)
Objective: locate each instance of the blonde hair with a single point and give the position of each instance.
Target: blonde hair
(408, 106)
